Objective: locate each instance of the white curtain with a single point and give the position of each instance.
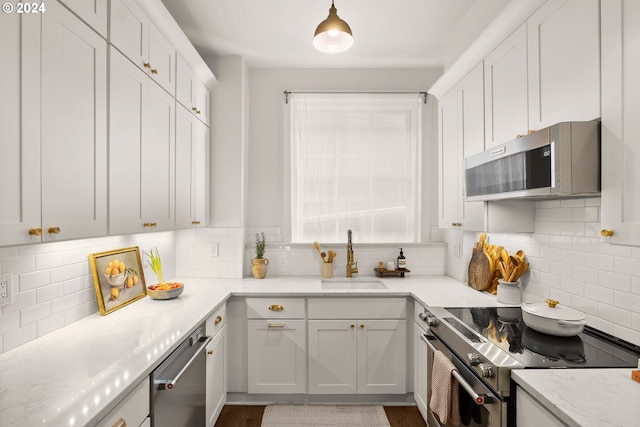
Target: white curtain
(355, 164)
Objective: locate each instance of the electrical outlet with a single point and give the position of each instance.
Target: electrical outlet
(5, 289)
(214, 250)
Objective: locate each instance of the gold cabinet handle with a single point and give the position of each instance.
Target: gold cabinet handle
(276, 325)
(361, 326)
(197, 111)
(194, 109)
(120, 423)
(154, 71)
(456, 224)
(149, 224)
(195, 222)
(54, 230)
(35, 232)
(353, 326)
(606, 232)
(209, 352)
(218, 320)
(146, 65)
(276, 307)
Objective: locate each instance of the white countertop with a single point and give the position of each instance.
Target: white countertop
(585, 397)
(75, 375)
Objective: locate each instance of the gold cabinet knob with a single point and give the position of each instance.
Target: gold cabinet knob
(276, 307)
(606, 232)
(54, 230)
(120, 423)
(209, 352)
(197, 111)
(35, 232)
(194, 109)
(154, 71)
(218, 320)
(146, 65)
(361, 326)
(353, 326)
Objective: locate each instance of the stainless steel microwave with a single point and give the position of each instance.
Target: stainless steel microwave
(562, 160)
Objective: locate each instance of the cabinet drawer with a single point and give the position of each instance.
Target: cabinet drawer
(357, 308)
(133, 409)
(275, 308)
(216, 321)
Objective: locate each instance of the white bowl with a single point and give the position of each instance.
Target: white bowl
(115, 280)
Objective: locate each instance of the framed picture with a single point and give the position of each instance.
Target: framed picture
(118, 277)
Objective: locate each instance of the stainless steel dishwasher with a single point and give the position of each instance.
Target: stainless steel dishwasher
(178, 395)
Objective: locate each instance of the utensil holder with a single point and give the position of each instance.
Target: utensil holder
(327, 270)
(509, 292)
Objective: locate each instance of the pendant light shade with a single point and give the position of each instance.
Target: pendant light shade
(333, 35)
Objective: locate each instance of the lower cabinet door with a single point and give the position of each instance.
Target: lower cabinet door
(420, 372)
(277, 356)
(216, 376)
(382, 356)
(333, 356)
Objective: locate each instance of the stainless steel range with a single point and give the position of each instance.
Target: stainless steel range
(486, 343)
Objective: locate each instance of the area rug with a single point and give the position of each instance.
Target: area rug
(319, 415)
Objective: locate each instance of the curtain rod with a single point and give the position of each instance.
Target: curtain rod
(289, 92)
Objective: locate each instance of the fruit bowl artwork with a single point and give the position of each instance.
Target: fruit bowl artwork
(165, 290)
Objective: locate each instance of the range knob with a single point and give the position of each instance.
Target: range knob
(485, 370)
(432, 321)
(474, 359)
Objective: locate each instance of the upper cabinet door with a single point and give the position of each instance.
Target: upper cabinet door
(74, 127)
(620, 124)
(505, 74)
(130, 31)
(93, 12)
(162, 61)
(449, 161)
(564, 62)
(184, 83)
(20, 129)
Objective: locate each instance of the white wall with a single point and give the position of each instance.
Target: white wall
(570, 262)
(266, 202)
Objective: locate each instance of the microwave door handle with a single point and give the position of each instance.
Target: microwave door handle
(553, 165)
(479, 399)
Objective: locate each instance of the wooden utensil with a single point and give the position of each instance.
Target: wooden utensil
(332, 255)
(316, 245)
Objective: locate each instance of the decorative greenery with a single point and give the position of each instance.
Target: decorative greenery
(260, 245)
(156, 263)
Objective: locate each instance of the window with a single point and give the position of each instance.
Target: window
(355, 164)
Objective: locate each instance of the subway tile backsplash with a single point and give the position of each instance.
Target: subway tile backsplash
(52, 284)
(53, 287)
(570, 262)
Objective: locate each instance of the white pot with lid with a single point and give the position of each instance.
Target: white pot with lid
(551, 318)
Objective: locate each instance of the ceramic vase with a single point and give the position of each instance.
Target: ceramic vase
(259, 267)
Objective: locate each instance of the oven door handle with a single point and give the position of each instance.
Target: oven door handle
(479, 399)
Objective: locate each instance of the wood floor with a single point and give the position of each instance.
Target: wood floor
(251, 416)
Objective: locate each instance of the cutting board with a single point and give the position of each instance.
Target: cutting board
(480, 274)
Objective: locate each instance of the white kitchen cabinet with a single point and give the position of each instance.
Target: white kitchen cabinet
(93, 12)
(529, 82)
(192, 170)
(506, 91)
(139, 40)
(20, 197)
(216, 376)
(277, 343)
(563, 47)
(191, 92)
(141, 151)
(74, 127)
(363, 355)
(530, 413)
(133, 410)
(620, 124)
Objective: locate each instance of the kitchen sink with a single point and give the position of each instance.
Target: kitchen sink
(353, 283)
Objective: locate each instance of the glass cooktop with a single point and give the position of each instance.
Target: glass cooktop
(504, 327)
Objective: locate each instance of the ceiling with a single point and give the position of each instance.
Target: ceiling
(279, 33)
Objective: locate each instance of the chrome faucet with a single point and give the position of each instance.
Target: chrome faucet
(352, 266)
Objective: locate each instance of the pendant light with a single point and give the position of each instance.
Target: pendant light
(333, 35)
